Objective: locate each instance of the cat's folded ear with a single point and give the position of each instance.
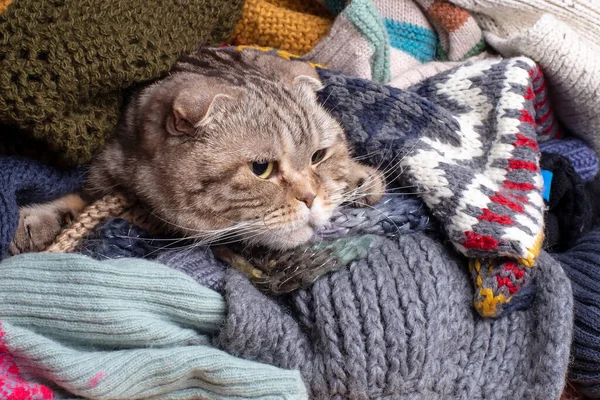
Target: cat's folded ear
(193, 106)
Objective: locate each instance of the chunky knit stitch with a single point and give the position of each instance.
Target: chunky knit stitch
(25, 182)
(398, 324)
(581, 157)
(63, 64)
(581, 263)
(123, 329)
(295, 26)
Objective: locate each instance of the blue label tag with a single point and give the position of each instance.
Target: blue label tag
(547, 176)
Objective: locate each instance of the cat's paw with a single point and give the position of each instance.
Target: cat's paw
(40, 224)
(369, 186)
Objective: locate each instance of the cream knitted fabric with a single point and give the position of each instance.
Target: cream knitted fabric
(511, 17)
(571, 65)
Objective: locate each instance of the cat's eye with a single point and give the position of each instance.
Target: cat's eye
(317, 156)
(262, 169)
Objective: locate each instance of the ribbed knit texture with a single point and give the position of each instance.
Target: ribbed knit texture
(382, 39)
(570, 209)
(294, 26)
(25, 182)
(63, 64)
(581, 157)
(564, 38)
(581, 263)
(123, 329)
(399, 323)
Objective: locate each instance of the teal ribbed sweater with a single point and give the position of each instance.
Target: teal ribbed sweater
(124, 329)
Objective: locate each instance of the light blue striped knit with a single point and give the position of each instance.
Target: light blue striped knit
(124, 329)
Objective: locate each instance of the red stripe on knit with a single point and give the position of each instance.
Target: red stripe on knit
(529, 95)
(549, 128)
(545, 117)
(541, 88)
(493, 217)
(520, 164)
(475, 241)
(541, 103)
(518, 198)
(498, 198)
(512, 267)
(518, 186)
(526, 117)
(506, 282)
(525, 141)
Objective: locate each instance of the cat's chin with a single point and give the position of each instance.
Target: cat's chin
(282, 239)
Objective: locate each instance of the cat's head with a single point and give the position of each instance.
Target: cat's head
(261, 161)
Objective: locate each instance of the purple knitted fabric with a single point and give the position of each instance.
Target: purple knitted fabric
(24, 181)
(583, 159)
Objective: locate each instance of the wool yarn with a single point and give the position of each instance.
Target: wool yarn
(288, 25)
(581, 264)
(570, 209)
(24, 182)
(564, 39)
(64, 64)
(382, 39)
(581, 157)
(344, 239)
(399, 324)
(421, 129)
(115, 330)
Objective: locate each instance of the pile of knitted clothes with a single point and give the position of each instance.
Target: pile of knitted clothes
(442, 293)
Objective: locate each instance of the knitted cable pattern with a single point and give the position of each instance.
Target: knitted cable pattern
(64, 64)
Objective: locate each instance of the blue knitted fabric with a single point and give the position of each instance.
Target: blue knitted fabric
(583, 159)
(581, 263)
(116, 238)
(25, 182)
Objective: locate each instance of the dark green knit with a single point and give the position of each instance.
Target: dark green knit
(64, 63)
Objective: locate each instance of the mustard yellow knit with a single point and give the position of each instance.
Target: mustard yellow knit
(292, 25)
(4, 4)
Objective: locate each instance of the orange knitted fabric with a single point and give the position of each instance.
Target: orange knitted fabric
(4, 4)
(292, 25)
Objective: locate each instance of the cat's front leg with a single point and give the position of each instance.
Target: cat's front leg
(39, 224)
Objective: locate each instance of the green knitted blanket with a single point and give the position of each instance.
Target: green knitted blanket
(64, 64)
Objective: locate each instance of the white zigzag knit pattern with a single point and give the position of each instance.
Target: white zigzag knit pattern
(485, 181)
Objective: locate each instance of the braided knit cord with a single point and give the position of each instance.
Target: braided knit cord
(109, 206)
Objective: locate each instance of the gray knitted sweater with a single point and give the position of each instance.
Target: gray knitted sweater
(394, 326)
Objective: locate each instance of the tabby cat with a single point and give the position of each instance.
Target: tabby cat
(229, 145)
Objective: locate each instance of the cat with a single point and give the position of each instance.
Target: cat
(229, 145)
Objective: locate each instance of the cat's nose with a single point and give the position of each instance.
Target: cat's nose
(307, 198)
